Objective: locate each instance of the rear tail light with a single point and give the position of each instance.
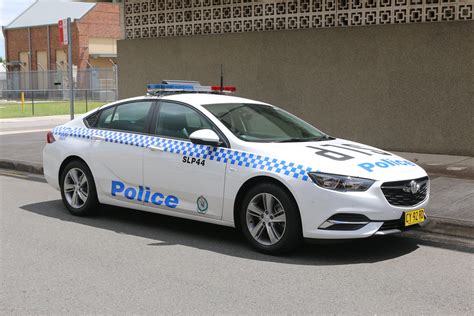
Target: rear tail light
(50, 138)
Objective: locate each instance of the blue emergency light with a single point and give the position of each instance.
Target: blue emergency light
(173, 86)
(170, 87)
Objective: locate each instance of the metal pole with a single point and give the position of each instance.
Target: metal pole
(116, 81)
(222, 78)
(69, 56)
(33, 102)
(22, 102)
(48, 56)
(30, 59)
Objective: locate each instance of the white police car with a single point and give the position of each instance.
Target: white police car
(185, 150)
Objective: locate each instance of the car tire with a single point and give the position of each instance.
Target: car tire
(78, 190)
(278, 229)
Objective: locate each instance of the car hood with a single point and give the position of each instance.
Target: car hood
(343, 157)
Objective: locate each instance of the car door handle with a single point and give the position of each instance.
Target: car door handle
(155, 148)
(98, 137)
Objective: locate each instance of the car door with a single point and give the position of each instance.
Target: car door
(174, 166)
(116, 149)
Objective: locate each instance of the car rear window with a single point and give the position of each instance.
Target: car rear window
(129, 117)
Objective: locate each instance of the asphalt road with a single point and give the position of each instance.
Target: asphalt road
(23, 139)
(24, 147)
(128, 261)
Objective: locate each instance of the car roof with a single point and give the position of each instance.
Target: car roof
(194, 99)
(207, 98)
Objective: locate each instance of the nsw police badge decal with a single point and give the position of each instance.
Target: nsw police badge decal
(202, 205)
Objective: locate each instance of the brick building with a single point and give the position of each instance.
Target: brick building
(32, 40)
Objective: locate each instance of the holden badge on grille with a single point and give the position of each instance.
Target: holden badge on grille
(412, 187)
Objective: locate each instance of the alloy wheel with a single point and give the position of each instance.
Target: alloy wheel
(266, 219)
(76, 188)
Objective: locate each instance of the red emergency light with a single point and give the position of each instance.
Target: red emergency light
(224, 88)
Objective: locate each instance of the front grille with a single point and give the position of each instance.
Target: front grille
(398, 193)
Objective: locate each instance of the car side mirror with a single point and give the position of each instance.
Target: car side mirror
(205, 137)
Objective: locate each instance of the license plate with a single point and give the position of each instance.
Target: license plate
(414, 217)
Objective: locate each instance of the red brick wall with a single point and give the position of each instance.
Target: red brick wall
(39, 34)
(17, 41)
(101, 21)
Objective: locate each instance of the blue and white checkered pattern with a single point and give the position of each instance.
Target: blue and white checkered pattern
(224, 155)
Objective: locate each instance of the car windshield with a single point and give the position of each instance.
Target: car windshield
(264, 123)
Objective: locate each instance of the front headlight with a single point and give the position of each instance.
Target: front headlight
(340, 183)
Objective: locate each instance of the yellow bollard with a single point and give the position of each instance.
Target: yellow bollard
(22, 102)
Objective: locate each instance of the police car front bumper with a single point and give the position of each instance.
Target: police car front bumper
(328, 214)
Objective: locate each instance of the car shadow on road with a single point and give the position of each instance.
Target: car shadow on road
(168, 231)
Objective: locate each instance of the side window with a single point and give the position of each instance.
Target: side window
(129, 117)
(105, 117)
(179, 121)
(92, 119)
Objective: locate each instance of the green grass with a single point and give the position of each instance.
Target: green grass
(41, 108)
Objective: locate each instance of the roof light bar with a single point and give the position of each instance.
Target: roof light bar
(170, 86)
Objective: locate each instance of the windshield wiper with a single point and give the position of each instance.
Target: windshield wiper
(313, 139)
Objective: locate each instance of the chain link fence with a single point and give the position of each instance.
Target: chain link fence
(26, 93)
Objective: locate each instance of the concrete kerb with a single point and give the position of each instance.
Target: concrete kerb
(449, 227)
(21, 166)
(437, 225)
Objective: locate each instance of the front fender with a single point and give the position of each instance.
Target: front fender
(236, 178)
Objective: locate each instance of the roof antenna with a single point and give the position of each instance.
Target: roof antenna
(222, 78)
